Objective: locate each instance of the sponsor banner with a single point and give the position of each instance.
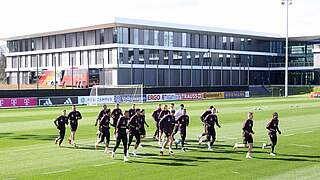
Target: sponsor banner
(55, 101)
(315, 95)
(18, 102)
(213, 95)
(95, 100)
(153, 97)
(247, 93)
(235, 94)
(170, 97)
(128, 98)
(191, 96)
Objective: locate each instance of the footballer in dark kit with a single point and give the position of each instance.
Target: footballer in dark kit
(166, 126)
(61, 123)
(104, 131)
(209, 122)
(121, 135)
(273, 129)
(74, 116)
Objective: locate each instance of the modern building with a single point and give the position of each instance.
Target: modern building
(158, 54)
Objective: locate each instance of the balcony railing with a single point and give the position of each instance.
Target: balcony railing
(292, 64)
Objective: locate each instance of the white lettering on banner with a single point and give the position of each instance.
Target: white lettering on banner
(95, 100)
(105, 99)
(26, 102)
(14, 102)
(170, 97)
(154, 97)
(1, 102)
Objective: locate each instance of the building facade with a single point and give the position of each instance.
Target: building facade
(157, 54)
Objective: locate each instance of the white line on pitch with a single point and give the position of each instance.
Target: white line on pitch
(301, 145)
(289, 135)
(235, 172)
(10, 178)
(97, 165)
(307, 132)
(54, 172)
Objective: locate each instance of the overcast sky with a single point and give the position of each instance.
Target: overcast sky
(20, 17)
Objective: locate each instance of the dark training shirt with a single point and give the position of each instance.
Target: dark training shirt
(116, 113)
(183, 122)
(211, 120)
(273, 126)
(61, 122)
(167, 123)
(122, 125)
(163, 113)
(156, 115)
(134, 123)
(205, 114)
(132, 112)
(74, 116)
(104, 123)
(247, 126)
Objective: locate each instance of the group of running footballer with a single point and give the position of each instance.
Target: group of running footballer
(168, 122)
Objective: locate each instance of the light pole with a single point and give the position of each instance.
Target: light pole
(286, 3)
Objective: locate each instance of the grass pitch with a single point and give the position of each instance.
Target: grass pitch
(27, 150)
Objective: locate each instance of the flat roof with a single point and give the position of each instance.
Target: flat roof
(118, 21)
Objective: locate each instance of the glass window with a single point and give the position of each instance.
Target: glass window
(47, 60)
(141, 55)
(224, 42)
(130, 55)
(231, 43)
(224, 39)
(153, 56)
(156, 38)
(72, 59)
(115, 35)
(166, 38)
(146, 37)
(184, 39)
(45, 41)
(52, 42)
(14, 62)
(99, 57)
(33, 61)
(32, 45)
(125, 38)
(177, 57)
(80, 39)
(60, 41)
(101, 36)
(89, 38)
(82, 58)
(71, 40)
(119, 35)
(59, 59)
(170, 39)
(135, 36)
(249, 41)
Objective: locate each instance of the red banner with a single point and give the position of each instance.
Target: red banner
(315, 95)
(18, 102)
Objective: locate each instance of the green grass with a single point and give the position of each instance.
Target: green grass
(27, 150)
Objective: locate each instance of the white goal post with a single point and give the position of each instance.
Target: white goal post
(119, 93)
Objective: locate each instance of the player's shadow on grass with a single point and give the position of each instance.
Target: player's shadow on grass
(33, 137)
(163, 163)
(300, 155)
(3, 135)
(287, 159)
(82, 146)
